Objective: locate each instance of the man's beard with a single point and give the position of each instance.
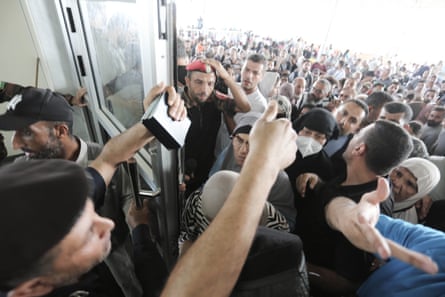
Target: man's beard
(432, 123)
(53, 150)
(77, 274)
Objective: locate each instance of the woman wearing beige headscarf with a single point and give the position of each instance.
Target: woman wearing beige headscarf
(410, 181)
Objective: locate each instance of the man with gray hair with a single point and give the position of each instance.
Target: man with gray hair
(52, 235)
(318, 95)
(42, 121)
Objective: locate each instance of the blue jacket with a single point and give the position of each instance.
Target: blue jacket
(396, 278)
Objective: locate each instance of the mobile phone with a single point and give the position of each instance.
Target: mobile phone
(154, 104)
(169, 132)
(134, 177)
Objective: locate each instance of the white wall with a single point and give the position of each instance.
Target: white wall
(29, 30)
(18, 54)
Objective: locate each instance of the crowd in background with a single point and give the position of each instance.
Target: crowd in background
(299, 58)
(357, 118)
(335, 100)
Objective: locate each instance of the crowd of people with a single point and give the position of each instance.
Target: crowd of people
(356, 120)
(310, 174)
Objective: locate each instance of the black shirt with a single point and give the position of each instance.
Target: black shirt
(324, 246)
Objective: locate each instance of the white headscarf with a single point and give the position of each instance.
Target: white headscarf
(215, 192)
(427, 175)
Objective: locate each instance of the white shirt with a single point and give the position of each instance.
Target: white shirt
(258, 103)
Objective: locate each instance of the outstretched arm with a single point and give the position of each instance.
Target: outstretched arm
(212, 265)
(357, 222)
(123, 146)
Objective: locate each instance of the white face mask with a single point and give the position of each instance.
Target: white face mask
(308, 146)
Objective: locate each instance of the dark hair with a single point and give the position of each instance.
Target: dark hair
(416, 127)
(227, 66)
(410, 96)
(308, 106)
(334, 82)
(387, 145)
(257, 58)
(378, 99)
(399, 107)
(439, 108)
(360, 103)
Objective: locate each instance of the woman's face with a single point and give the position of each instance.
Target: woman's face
(404, 184)
(317, 136)
(240, 143)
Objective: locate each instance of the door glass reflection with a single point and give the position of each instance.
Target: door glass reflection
(116, 49)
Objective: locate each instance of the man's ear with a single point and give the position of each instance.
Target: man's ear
(360, 149)
(32, 288)
(62, 130)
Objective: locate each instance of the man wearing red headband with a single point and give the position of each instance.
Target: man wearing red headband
(204, 108)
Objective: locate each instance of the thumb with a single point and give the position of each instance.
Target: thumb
(312, 182)
(171, 95)
(156, 90)
(271, 112)
(380, 194)
(159, 87)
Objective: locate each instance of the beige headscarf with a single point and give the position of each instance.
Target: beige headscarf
(427, 175)
(215, 192)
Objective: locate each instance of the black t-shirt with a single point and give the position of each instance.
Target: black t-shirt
(98, 282)
(324, 246)
(201, 137)
(319, 163)
(97, 186)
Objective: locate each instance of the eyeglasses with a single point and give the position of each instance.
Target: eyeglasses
(239, 142)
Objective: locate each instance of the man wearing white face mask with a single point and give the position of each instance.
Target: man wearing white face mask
(314, 129)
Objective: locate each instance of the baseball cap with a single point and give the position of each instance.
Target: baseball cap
(33, 105)
(200, 66)
(41, 201)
